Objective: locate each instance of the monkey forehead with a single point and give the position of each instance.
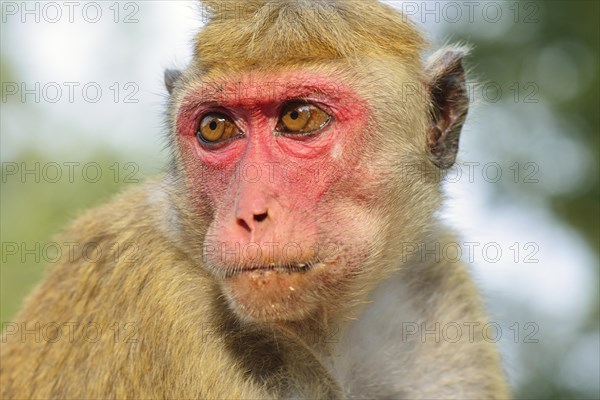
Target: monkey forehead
(241, 35)
(256, 87)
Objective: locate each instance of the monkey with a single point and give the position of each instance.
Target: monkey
(274, 257)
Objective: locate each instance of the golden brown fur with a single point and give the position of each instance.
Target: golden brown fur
(172, 348)
(297, 31)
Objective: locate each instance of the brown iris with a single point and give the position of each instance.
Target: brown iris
(216, 127)
(302, 117)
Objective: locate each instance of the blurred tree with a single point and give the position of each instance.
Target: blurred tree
(541, 28)
(34, 208)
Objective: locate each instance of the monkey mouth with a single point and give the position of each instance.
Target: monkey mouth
(289, 268)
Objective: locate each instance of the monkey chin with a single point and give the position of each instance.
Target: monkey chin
(278, 294)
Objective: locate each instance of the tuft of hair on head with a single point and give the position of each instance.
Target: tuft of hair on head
(268, 33)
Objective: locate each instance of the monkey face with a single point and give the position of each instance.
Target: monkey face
(279, 161)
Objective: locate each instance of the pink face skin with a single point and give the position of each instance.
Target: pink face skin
(287, 208)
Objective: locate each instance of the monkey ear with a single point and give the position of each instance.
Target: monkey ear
(171, 76)
(449, 104)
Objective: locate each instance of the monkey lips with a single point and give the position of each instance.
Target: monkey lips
(272, 293)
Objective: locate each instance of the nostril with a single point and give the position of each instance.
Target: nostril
(260, 217)
(248, 222)
(244, 225)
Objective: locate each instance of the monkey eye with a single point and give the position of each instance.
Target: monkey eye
(300, 117)
(215, 128)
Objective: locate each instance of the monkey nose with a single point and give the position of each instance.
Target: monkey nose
(252, 208)
(252, 211)
(249, 222)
